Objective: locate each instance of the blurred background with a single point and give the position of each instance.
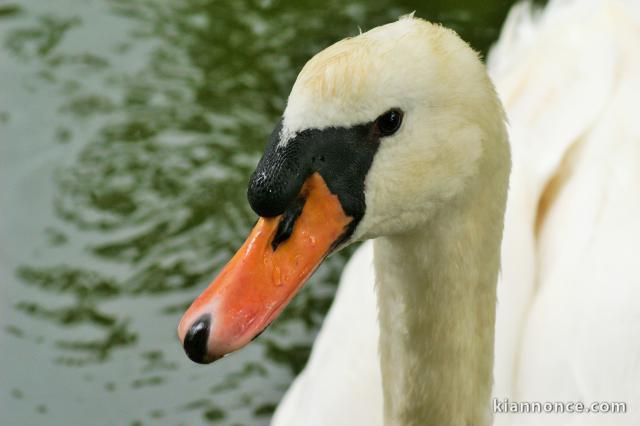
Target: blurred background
(128, 131)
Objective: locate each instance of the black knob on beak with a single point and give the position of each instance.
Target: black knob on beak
(277, 179)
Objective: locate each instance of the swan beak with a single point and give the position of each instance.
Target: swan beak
(277, 258)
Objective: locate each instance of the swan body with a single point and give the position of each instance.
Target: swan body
(567, 324)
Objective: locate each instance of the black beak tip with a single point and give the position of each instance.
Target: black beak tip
(195, 342)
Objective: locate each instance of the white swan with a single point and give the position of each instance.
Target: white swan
(397, 135)
(567, 321)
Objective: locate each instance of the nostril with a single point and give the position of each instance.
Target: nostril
(195, 342)
(285, 227)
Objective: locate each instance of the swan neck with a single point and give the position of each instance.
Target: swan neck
(437, 298)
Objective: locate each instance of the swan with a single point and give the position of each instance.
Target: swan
(567, 313)
(397, 136)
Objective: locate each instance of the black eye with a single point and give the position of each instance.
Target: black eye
(389, 122)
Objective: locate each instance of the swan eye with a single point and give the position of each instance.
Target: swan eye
(389, 122)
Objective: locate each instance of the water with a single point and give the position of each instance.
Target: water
(128, 132)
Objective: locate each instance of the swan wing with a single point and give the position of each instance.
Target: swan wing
(567, 325)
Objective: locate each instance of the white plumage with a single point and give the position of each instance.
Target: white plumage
(568, 316)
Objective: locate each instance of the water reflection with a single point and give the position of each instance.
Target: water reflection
(162, 109)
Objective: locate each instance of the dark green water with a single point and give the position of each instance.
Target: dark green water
(128, 130)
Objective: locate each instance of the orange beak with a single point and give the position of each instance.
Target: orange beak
(277, 258)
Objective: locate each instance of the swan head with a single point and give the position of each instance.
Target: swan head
(379, 133)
